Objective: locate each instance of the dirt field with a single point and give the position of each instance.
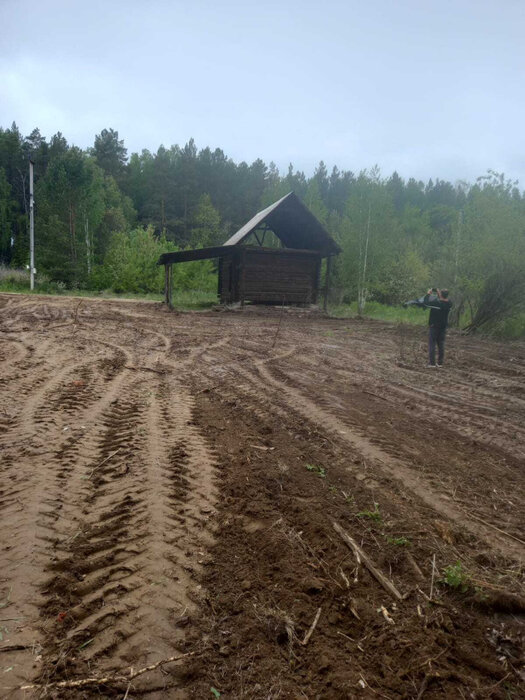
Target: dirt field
(169, 486)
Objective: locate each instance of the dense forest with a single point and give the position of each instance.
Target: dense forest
(102, 218)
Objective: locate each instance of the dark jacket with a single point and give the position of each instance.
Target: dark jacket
(439, 310)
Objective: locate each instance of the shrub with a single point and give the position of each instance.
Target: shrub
(130, 265)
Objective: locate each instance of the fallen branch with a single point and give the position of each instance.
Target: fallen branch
(476, 517)
(381, 578)
(312, 627)
(106, 680)
(16, 647)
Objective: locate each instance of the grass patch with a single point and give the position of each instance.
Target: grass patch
(17, 281)
(398, 541)
(320, 471)
(456, 577)
(382, 312)
(510, 328)
(374, 515)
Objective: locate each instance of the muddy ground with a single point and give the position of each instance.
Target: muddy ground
(170, 483)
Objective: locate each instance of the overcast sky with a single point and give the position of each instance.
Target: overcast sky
(431, 89)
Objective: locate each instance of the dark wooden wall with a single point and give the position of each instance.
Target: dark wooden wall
(269, 275)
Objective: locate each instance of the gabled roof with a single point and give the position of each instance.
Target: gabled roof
(293, 223)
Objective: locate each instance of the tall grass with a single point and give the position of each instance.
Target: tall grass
(16, 280)
(511, 328)
(373, 309)
(11, 277)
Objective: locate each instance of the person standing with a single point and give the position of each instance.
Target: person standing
(439, 304)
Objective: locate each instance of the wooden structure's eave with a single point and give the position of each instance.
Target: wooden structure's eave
(195, 254)
(223, 251)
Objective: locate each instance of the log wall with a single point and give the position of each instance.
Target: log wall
(268, 275)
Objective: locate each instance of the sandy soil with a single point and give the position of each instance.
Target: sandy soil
(170, 482)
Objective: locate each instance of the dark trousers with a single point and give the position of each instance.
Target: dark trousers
(436, 335)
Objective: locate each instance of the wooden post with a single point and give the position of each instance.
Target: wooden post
(31, 228)
(317, 279)
(219, 279)
(170, 286)
(243, 274)
(327, 281)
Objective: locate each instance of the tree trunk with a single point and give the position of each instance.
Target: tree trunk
(362, 292)
(72, 233)
(88, 245)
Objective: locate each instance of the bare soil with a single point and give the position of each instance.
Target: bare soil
(170, 482)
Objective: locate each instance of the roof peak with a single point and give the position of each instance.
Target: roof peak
(293, 223)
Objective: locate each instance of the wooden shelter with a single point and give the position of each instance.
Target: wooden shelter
(289, 274)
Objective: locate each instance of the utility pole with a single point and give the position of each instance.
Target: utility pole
(31, 227)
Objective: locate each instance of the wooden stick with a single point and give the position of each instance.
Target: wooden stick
(106, 679)
(103, 462)
(414, 565)
(381, 578)
(152, 667)
(476, 517)
(16, 647)
(432, 579)
(345, 636)
(148, 369)
(312, 627)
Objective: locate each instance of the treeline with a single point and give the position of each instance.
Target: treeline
(102, 218)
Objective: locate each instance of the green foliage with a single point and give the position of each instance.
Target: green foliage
(206, 227)
(456, 577)
(130, 265)
(398, 541)
(374, 515)
(315, 469)
(382, 312)
(12, 279)
(8, 208)
(510, 327)
(17, 280)
(110, 153)
(399, 277)
(397, 237)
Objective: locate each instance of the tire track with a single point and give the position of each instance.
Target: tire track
(131, 572)
(390, 465)
(42, 470)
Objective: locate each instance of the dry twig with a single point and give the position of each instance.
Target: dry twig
(106, 680)
(433, 572)
(103, 462)
(312, 627)
(381, 578)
